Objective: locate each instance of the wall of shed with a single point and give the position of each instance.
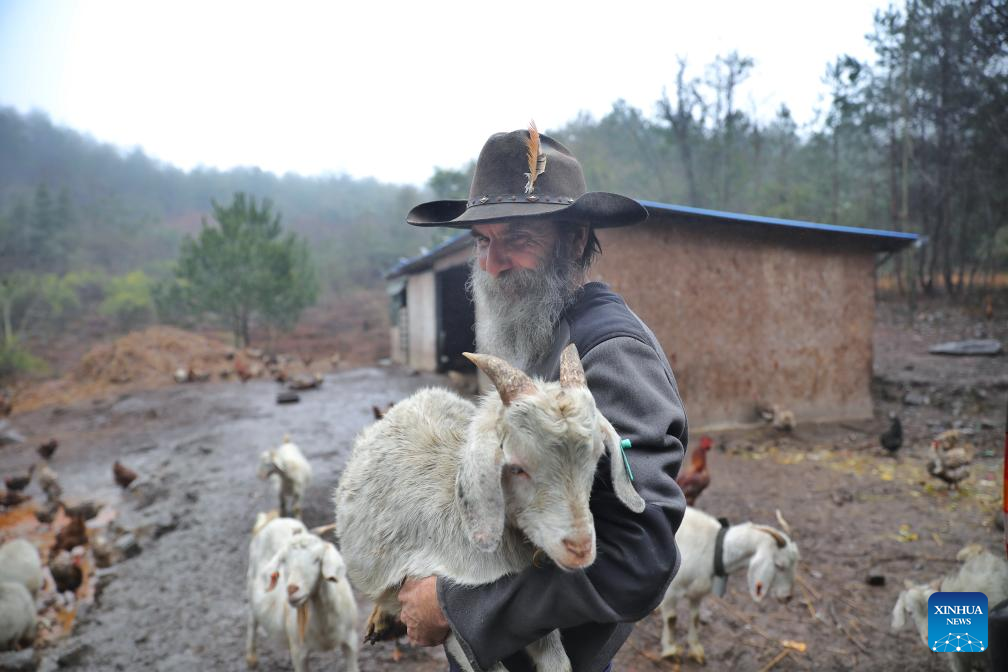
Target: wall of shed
(751, 316)
(420, 307)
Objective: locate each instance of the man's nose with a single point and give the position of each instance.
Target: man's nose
(497, 261)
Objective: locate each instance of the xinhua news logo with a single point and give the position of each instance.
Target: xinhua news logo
(957, 622)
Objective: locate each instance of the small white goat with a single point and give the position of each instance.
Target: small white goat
(20, 562)
(290, 472)
(768, 553)
(980, 572)
(439, 487)
(315, 608)
(17, 616)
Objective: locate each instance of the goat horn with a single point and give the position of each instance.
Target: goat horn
(322, 529)
(510, 382)
(571, 372)
(777, 536)
(783, 523)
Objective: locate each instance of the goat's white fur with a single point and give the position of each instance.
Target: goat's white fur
(770, 570)
(290, 568)
(20, 562)
(291, 474)
(431, 489)
(17, 615)
(981, 572)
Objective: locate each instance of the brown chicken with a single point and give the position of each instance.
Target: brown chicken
(72, 534)
(243, 369)
(697, 478)
(47, 449)
(123, 475)
(19, 481)
(950, 457)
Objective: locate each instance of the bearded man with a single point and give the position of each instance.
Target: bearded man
(533, 223)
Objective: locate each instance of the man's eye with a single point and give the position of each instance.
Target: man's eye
(482, 242)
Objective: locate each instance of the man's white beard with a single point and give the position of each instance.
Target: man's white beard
(516, 313)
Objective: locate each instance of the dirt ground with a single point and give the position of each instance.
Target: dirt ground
(180, 603)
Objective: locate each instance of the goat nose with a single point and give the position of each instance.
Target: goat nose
(579, 547)
(292, 589)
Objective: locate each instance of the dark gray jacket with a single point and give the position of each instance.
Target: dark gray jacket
(595, 608)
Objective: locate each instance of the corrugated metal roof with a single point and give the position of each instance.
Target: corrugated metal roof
(426, 260)
(880, 239)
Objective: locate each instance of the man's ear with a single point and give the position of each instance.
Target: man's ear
(580, 240)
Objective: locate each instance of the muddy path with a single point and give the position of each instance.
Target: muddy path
(180, 603)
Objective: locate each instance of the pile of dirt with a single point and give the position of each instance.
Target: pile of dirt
(140, 360)
(154, 353)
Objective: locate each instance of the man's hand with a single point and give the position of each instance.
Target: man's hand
(426, 624)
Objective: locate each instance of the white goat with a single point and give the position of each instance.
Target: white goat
(315, 609)
(439, 487)
(287, 467)
(17, 615)
(768, 553)
(20, 562)
(980, 572)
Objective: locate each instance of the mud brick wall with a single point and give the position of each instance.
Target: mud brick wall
(751, 314)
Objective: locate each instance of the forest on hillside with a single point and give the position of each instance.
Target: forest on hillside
(915, 139)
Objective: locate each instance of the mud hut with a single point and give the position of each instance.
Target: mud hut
(751, 310)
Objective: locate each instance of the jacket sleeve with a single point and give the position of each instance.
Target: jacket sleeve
(636, 553)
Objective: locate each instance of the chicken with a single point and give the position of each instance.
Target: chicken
(72, 534)
(697, 478)
(776, 415)
(305, 382)
(12, 498)
(47, 449)
(950, 457)
(19, 482)
(892, 438)
(123, 475)
(242, 369)
(66, 571)
(49, 482)
(379, 413)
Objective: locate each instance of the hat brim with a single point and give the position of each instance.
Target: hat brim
(598, 208)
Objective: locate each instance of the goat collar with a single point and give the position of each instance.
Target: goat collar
(719, 568)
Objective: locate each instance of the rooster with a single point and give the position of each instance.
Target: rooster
(694, 481)
(123, 475)
(950, 458)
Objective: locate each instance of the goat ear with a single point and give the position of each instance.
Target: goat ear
(478, 491)
(899, 613)
(510, 382)
(617, 470)
(272, 570)
(332, 564)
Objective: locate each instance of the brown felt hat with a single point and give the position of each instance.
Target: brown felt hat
(504, 189)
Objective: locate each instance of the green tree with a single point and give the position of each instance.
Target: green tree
(129, 299)
(244, 266)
